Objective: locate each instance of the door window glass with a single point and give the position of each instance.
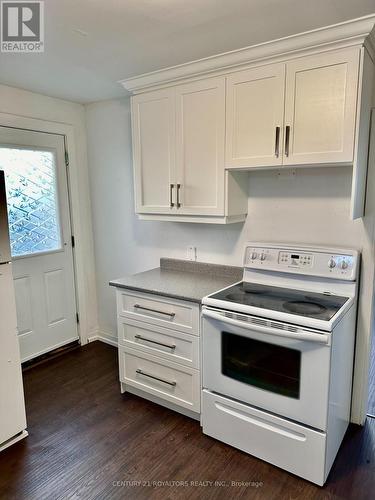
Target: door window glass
(260, 364)
(30, 177)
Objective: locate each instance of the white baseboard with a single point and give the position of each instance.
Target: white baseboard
(104, 336)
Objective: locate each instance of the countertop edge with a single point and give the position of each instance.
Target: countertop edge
(155, 292)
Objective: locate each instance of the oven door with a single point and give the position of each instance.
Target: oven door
(268, 364)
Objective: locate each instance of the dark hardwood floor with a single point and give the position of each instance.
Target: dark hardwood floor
(88, 441)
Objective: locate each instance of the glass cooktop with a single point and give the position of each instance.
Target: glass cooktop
(300, 302)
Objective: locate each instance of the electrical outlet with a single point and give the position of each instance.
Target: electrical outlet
(192, 253)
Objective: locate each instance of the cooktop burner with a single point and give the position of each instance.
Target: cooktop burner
(307, 308)
(299, 302)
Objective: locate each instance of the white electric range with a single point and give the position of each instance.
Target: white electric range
(278, 352)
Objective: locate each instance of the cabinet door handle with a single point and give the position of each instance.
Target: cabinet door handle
(169, 382)
(277, 142)
(170, 346)
(137, 306)
(171, 204)
(287, 134)
(178, 204)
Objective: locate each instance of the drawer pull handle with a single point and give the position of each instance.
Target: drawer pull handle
(170, 346)
(141, 372)
(137, 306)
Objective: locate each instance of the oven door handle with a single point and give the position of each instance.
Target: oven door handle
(321, 338)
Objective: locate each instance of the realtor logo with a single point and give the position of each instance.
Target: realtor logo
(22, 26)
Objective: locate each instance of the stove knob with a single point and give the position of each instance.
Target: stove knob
(253, 255)
(331, 263)
(262, 256)
(344, 265)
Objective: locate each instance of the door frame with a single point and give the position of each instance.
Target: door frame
(75, 208)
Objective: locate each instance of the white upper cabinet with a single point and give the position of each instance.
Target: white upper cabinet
(200, 132)
(178, 153)
(319, 94)
(198, 128)
(255, 115)
(153, 123)
(320, 108)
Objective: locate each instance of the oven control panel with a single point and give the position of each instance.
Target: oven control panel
(296, 259)
(339, 264)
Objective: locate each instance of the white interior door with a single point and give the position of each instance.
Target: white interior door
(40, 236)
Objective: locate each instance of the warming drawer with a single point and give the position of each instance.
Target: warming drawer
(288, 445)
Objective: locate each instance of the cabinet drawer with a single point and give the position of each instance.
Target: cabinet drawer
(157, 310)
(175, 383)
(168, 344)
(297, 449)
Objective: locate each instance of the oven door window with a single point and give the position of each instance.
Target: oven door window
(260, 364)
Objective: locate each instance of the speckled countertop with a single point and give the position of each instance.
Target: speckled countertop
(182, 279)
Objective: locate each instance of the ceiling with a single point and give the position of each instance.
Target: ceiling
(91, 44)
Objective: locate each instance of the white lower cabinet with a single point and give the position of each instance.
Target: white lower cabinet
(175, 383)
(174, 346)
(177, 315)
(157, 358)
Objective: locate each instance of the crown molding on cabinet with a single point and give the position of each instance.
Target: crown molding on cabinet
(353, 32)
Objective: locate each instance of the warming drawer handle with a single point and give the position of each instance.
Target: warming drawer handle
(170, 346)
(137, 306)
(320, 338)
(168, 382)
(260, 422)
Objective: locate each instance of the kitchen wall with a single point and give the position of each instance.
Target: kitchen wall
(311, 206)
(22, 103)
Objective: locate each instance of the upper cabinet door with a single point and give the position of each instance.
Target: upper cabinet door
(255, 112)
(320, 108)
(153, 125)
(200, 130)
